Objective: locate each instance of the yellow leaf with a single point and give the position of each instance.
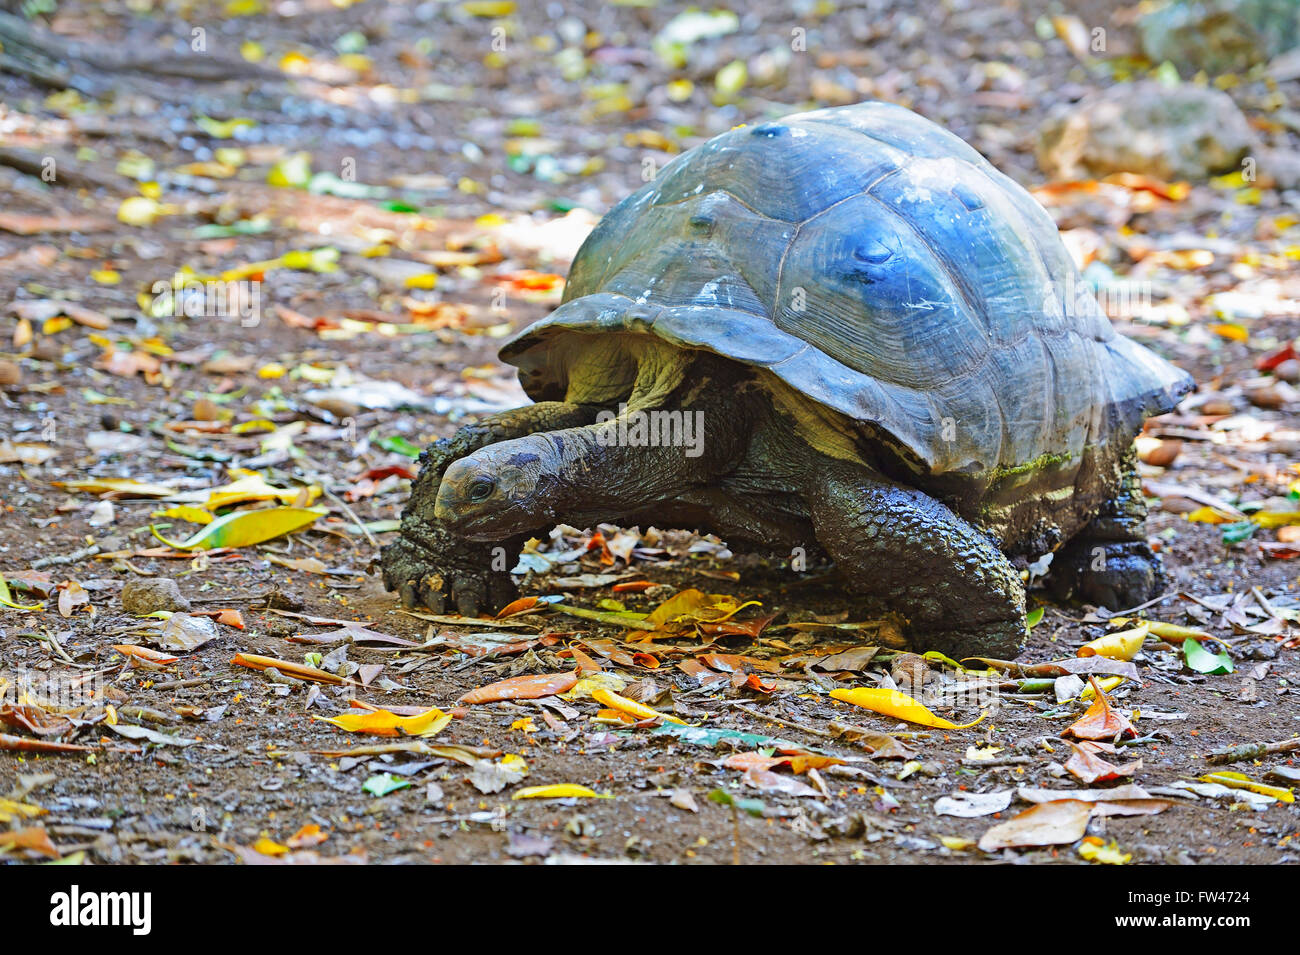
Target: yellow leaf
(558, 791)
(1106, 683)
(272, 370)
(106, 276)
(292, 171)
(694, 605)
(588, 685)
(142, 211)
(632, 707)
(957, 843)
(1094, 850)
(1231, 331)
(223, 129)
(1122, 645)
(243, 528)
(898, 705)
(1275, 518)
(383, 723)
(1207, 515)
(269, 848)
(183, 512)
(1242, 781)
(252, 487)
(488, 8)
(11, 809)
(121, 487)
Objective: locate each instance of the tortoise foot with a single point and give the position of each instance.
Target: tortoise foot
(1112, 574)
(436, 570)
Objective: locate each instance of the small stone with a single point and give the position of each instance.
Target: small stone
(156, 593)
(1184, 132)
(10, 374)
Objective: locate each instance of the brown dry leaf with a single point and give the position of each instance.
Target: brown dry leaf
(71, 596)
(1089, 768)
(1047, 824)
(879, 745)
(1101, 721)
(766, 781)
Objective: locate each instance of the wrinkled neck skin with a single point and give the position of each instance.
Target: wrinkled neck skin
(629, 461)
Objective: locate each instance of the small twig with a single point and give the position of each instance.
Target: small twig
(352, 514)
(1235, 754)
(758, 714)
(72, 558)
(1150, 603)
(182, 684)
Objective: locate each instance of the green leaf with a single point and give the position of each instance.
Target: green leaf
(1203, 661)
(1237, 532)
(1034, 616)
(384, 783)
(399, 445)
(754, 807)
(242, 528)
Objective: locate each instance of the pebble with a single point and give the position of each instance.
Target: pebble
(155, 593)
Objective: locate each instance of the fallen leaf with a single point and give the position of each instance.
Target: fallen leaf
(1046, 824)
(558, 791)
(384, 723)
(530, 687)
(898, 705)
(1100, 721)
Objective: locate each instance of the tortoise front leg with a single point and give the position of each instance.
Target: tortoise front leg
(958, 592)
(430, 566)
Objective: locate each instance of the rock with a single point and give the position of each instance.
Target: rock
(1220, 36)
(155, 593)
(10, 374)
(1171, 133)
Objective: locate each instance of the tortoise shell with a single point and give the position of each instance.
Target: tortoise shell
(881, 267)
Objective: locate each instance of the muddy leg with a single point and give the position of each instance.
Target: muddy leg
(427, 565)
(958, 592)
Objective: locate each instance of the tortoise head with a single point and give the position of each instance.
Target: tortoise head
(497, 491)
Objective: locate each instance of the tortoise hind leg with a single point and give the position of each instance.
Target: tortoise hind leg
(958, 592)
(1109, 563)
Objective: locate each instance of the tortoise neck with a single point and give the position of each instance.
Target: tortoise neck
(635, 458)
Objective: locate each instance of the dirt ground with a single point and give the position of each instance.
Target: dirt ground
(484, 153)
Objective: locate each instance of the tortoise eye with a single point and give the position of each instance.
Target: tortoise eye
(480, 489)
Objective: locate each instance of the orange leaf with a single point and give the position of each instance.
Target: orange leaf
(633, 586)
(1089, 768)
(532, 687)
(522, 605)
(288, 667)
(34, 838)
(1100, 722)
(144, 653)
(309, 835)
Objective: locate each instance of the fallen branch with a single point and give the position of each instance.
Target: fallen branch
(1234, 754)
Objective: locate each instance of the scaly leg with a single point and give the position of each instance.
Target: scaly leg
(958, 592)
